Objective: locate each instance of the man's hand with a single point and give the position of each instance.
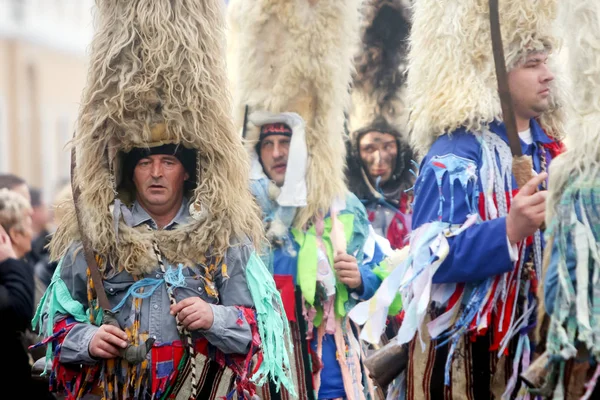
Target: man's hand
(194, 313)
(107, 342)
(528, 210)
(346, 269)
(6, 250)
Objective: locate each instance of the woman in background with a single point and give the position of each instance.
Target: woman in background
(16, 289)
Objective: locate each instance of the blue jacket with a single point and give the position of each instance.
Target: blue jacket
(285, 269)
(482, 250)
(332, 386)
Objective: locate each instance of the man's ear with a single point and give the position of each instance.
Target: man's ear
(12, 233)
(186, 176)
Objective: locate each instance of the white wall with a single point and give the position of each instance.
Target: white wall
(64, 25)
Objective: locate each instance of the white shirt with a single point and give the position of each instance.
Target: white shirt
(526, 137)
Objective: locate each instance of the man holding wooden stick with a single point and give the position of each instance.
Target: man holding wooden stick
(159, 293)
(469, 285)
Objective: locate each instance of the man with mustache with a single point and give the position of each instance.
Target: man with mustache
(274, 147)
(278, 155)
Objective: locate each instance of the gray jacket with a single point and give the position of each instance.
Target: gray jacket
(226, 333)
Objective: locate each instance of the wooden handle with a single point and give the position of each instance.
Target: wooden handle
(522, 168)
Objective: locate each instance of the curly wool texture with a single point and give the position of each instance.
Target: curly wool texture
(159, 61)
(452, 80)
(296, 56)
(378, 86)
(582, 160)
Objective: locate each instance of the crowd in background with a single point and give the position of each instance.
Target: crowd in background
(26, 225)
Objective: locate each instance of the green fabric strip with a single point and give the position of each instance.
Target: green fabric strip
(57, 300)
(272, 325)
(356, 230)
(306, 274)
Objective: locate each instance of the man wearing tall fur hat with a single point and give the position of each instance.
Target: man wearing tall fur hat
(297, 62)
(469, 283)
(379, 156)
(380, 171)
(159, 293)
(572, 261)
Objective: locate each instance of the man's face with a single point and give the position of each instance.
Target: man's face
(159, 182)
(378, 152)
(274, 151)
(529, 85)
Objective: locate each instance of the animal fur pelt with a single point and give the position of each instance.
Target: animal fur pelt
(296, 56)
(580, 164)
(157, 75)
(581, 19)
(378, 88)
(452, 80)
(378, 84)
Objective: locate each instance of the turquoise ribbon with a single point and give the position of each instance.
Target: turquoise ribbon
(173, 277)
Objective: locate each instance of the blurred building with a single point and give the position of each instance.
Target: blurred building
(43, 69)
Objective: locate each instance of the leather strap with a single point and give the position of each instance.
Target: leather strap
(85, 241)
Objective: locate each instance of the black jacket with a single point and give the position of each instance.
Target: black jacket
(16, 311)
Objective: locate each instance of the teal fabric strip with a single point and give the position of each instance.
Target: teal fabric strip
(57, 300)
(575, 238)
(135, 291)
(272, 325)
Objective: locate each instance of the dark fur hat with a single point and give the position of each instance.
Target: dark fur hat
(377, 92)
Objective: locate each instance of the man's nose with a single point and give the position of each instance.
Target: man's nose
(156, 170)
(277, 151)
(547, 75)
(378, 157)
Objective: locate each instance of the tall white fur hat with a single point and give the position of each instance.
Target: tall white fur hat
(296, 56)
(581, 161)
(452, 81)
(157, 76)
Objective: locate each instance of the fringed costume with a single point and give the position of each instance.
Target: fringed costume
(378, 104)
(571, 291)
(469, 296)
(157, 85)
(291, 64)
